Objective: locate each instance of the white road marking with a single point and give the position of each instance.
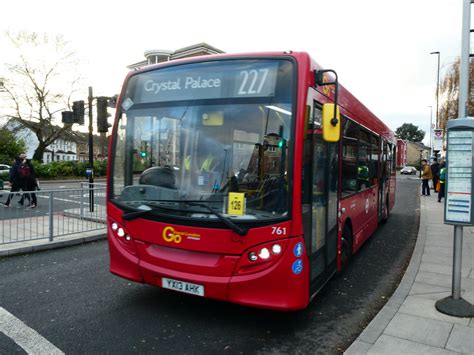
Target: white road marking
(24, 336)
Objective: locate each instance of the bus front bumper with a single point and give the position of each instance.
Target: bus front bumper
(278, 287)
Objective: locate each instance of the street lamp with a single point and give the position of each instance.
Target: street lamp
(421, 158)
(437, 91)
(431, 130)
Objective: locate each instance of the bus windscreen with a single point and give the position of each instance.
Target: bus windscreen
(201, 131)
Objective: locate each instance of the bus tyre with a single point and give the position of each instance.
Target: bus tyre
(346, 247)
(386, 212)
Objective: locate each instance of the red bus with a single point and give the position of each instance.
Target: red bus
(233, 177)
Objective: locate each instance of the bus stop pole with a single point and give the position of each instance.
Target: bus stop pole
(462, 109)
(457, 262)
(455, 305)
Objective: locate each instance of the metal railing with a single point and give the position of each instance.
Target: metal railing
(57, 212)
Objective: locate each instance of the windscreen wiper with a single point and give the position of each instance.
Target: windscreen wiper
(227, 221)
(136, 214)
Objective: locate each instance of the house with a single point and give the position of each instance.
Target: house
(99, 150)
(161, 55)
(69, 146)
(416, 152)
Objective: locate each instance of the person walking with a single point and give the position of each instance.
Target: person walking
(442, 181)
(30, 183)
(16, 181)
(435, 172)
(426, 176)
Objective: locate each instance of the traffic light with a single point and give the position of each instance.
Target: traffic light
(113, 101)
(78, 112)
(102, 124)
(67, 117)
(143, 154)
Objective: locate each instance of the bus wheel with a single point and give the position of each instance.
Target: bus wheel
(346, 247)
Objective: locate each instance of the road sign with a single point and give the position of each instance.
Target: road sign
(437, 139)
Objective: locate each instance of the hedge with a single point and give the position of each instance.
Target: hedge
(67, 169)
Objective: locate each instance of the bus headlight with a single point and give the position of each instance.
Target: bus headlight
(264, 253)
(261, 257)
(124, 238)
(253, 256)
(276, 249)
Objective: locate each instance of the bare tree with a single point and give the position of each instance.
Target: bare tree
(449, 93)
(41, 78)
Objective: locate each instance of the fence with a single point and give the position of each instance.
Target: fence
(57, 212)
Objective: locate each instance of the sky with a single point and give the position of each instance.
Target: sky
(379, 48)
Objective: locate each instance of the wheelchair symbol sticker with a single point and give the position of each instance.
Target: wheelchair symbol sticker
(297, 267)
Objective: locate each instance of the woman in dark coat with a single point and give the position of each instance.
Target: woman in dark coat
(15, 179)
(31, 184)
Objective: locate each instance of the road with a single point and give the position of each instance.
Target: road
(69, 298)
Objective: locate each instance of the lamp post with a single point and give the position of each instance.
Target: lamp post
(421, 158)
(437, 90)
(431, 130)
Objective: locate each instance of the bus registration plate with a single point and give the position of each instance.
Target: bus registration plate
(182, 286)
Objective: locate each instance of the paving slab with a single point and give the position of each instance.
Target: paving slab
(420, 288)
(461, 339)
(422, 307)
(373, 331)
(421, 330)
(443, 269)
(389, 345)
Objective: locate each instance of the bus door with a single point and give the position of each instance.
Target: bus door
(321, 175)
(383, 178)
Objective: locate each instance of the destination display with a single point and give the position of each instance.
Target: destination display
(459, 179)
(210, 80)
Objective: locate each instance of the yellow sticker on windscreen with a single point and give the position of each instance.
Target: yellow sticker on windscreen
(236, 203)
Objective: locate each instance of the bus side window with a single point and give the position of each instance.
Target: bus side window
(363, 162)
(349, 158)
(389, 160)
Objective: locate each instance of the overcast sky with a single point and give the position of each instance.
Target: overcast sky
(380, 48)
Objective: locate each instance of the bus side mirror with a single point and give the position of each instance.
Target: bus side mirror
(331, 123)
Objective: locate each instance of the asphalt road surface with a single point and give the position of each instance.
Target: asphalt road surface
(70, 299)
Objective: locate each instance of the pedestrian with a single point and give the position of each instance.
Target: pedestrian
(426, 176)
(16, 182)
(435, 172)
(30, 183)
(442, 181)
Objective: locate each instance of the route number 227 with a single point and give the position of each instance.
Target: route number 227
(279, 230)
(252, 81)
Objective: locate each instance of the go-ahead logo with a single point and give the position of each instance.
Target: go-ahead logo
(171, 235)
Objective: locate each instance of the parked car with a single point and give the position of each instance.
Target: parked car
(4, 171)
(408, 170)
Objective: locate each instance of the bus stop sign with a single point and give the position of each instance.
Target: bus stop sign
(459, 183)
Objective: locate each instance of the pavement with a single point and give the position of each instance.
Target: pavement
(409, 323)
